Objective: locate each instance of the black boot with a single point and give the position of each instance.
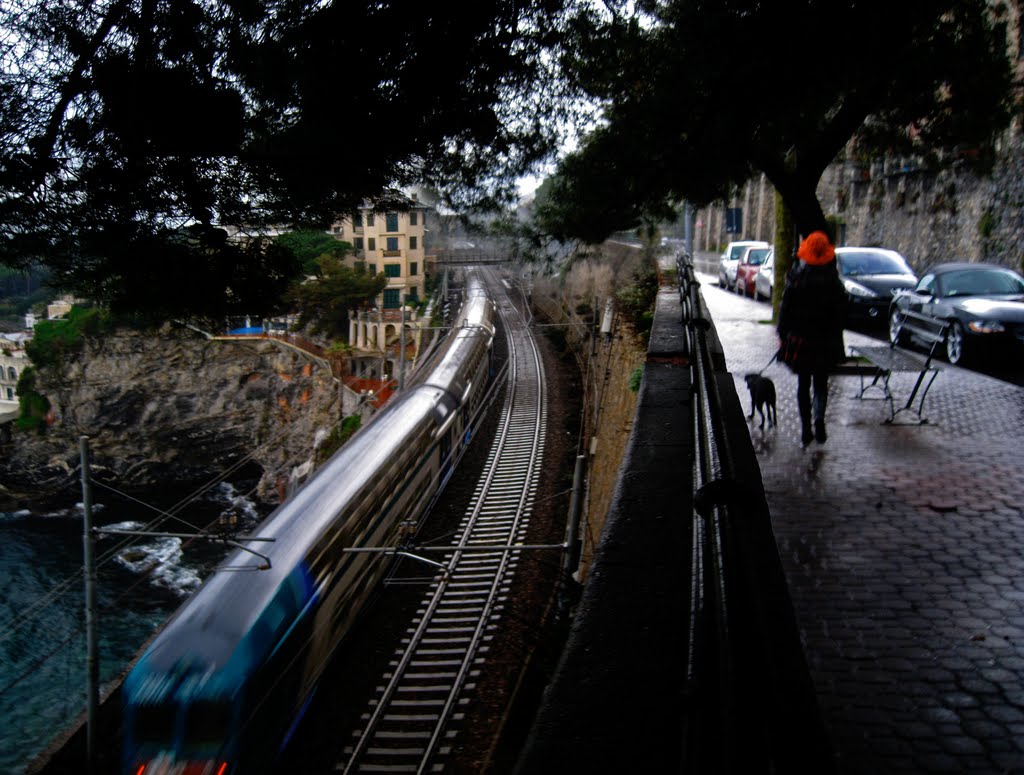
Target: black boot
(819, 431)
(806, 436)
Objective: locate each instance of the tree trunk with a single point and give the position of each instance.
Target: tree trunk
(785, 248)
(801, 196)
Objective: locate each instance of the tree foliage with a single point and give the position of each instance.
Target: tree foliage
(308, 245)
(696, 95)
(124, 121)
(53, 341)
(324, 302)
(33, 406)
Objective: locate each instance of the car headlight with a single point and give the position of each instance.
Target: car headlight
(986, 327)
(856, 289)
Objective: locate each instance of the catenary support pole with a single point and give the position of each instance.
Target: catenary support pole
(401, 353)
(572, 539)
(92, 664)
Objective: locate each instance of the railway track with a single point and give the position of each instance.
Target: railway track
(416, 713)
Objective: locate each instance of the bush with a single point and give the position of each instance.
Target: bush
(34, 406)
(635, 378)
(636, 301)
(53, 340)
(337, 437)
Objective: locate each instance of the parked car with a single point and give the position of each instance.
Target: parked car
(730, 258)
(983, 303)
(746, 269)
(764, 282)
(871, 277)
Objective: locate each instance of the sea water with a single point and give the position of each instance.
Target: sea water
(141, 581)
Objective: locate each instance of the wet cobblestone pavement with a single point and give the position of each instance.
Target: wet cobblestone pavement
(903, 547)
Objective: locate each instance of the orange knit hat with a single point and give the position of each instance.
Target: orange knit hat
(816, 249)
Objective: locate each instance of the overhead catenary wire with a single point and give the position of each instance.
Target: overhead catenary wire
(29, 613)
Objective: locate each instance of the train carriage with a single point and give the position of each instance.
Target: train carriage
(223, 686)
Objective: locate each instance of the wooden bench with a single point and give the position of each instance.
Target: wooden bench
(887, 360)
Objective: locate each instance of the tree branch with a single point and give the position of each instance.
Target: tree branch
(44, 148)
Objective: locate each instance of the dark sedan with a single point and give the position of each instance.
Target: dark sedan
(871, 277)
(983, 303)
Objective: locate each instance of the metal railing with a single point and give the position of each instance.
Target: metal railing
(746, 679)
(710, 674)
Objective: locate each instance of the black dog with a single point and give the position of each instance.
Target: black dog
(762, 397)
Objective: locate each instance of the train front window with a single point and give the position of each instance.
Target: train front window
(207, 722)
(154, 723)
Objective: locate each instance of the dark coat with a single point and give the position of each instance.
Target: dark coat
(812, 317)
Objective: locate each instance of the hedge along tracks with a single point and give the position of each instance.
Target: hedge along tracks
(416, 714)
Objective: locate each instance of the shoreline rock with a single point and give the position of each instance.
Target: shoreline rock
(171, 407)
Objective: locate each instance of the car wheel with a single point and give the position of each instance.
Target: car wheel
(895, 325)
(955, 344)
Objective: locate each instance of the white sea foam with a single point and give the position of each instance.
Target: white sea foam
(160, 559)
(226, 494)
(73, 511)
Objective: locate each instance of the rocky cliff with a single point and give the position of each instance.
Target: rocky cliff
(173, 406)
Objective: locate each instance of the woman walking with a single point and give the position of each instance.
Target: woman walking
(811, 320)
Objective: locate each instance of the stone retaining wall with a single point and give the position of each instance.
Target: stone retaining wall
(960, 212)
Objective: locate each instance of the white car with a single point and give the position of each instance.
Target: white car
(764, 282)
(730, 258)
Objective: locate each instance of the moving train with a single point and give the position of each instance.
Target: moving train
(224, 685)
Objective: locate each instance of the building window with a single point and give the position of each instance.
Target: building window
(12, 373)
(339, 230)
(373, 269)
(359, 243)
(412, 243)
(369, 219)
(413, 269)
(412, 295)
(10, 394)
(414, 218)
(392, 243)
(371, 243)
(357, 220)
(392, 298)
(392, 270)
(391, 222)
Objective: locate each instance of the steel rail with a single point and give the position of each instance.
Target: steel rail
(467, 593)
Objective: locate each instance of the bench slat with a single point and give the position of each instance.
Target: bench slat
(891, 359)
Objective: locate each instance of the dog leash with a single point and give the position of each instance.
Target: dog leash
(770, 362)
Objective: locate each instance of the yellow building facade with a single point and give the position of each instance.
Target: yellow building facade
(389, 242)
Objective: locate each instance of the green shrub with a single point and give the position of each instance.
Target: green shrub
(33, 405)
(337, 437)
(635, 378)
(636, 301)
(53, 340)
(986, 224)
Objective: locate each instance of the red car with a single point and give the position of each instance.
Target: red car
(747, 268)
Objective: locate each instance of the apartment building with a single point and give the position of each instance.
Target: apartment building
(12, 362)
(390, 242)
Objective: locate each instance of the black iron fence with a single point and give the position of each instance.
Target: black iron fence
(751, 700)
